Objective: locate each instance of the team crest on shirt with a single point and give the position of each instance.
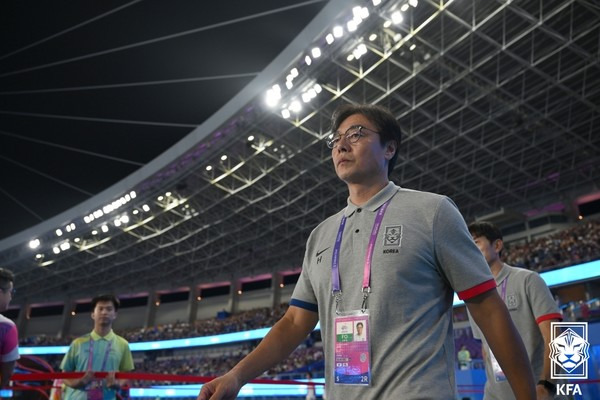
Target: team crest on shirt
(393, 235)
(512, 301)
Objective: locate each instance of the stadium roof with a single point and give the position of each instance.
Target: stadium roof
(499, 101)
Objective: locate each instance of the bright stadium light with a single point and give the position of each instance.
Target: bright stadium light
(373, 36)
(351, 25)
(397, 17)
(338, 31)
(285, 113)
(209, 167)
(223, 157)
(413, 3)
(145, 208)
(308, 60)
(404, 7)
(294, 72)
(387, 24)
(58, 232)
(55, 250)
(329, 38)
(376, 2)
(64, 246)
(295, 106)
(316, 52)
(34, 244)
(104, 228)
(317, 88)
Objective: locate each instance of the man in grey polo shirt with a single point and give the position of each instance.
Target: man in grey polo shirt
(532, 309)
(392, 258)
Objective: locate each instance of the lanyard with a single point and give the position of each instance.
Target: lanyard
(91, 355)
(504, 288)
(336, 290)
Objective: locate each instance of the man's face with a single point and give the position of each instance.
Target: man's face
(489, 249)
(5, 295)
(359, 329)
(104, 313)
(365, 160)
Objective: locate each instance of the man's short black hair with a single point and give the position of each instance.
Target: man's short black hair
(361, 324)
(485, 229)
(106, 297)
(6, 276)
(386, 124)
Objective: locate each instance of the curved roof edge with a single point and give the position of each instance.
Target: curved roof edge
(322, 21)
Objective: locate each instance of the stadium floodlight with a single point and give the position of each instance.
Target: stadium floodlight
(55, 250)
(104, 228)
(289, 85)
(338, 31)
(413, 3)
(125, 219)
(312, 93)
(317, 88)
(209, 167)
(316, 52)
(308, 60)
(250, 138)
(351, 25)
(295, 106)
(397, 37)
(94, 232)
(294, 72)
(397, 17)
(404, 7)
(133, 194)
(387, 24)
(145, 208)
(168, 194)
(373, 36)
(356, 11)
(34, 244)
(364, 13)
(86, 219)
(285, 113)
(160, 198)
(117, 222)
(39, 256)
(329, 38)
(376, 2)
(77, 240)
(59, 232)
(305, 98)
(64, 246)
(412, 47)
(223, 157)
(350, 57)
(273, 96)
(135, 212)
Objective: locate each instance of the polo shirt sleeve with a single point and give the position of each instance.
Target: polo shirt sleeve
(127, 359)
(304, 293)
(456, 254)
(540, 298)
(68, 361)
(9, 350)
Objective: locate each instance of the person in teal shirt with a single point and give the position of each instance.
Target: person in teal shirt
(100, 350)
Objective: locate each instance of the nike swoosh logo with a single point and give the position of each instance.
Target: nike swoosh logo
(322, 251)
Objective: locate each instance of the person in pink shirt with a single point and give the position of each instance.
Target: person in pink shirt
(9, 337)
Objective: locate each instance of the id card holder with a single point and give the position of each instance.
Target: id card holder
(352, 348)
(95, 391)
(498, 373)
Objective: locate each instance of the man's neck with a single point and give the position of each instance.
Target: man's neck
(496, 267)
(102, 330)
(360, 194)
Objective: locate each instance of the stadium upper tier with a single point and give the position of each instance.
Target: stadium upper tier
(498, 101)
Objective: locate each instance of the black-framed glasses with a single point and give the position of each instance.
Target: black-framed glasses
(351, 136)
(12, 291)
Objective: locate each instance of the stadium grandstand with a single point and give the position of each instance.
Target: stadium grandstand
(204, 167)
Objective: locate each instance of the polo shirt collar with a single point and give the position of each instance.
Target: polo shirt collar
(504, 272)
(109, 336)
(375, 202)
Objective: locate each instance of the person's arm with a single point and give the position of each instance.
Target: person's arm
(542, 392)
(80, 383)
(281, 340)
(491, 316)
(6, 369)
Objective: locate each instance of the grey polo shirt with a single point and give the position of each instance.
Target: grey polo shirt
(423, 254)
(529, 302)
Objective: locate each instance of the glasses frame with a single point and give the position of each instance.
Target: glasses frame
(349, 137)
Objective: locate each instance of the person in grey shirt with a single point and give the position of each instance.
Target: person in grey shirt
(532, 309)
(413, 250)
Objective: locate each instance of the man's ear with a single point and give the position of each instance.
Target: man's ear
(391, 147)
(498, 245)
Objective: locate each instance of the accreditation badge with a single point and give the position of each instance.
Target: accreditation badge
(95, 390)
(352, 348)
